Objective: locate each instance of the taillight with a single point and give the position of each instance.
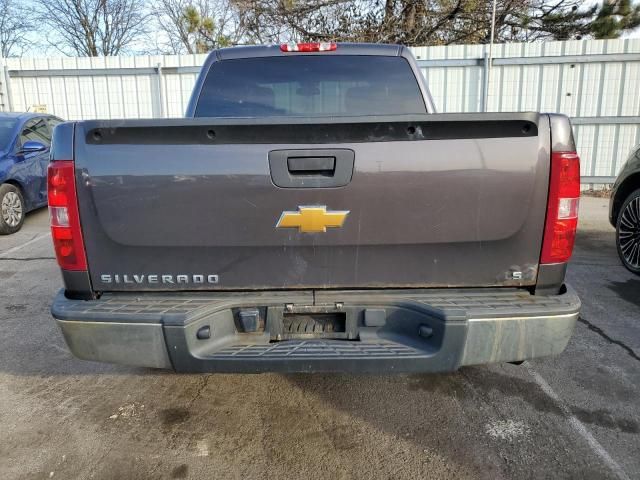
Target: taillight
(63, 212)
(562, 208)
(309, 47)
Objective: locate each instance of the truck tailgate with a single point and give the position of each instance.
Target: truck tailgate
(193, 204)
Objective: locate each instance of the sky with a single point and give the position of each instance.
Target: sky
(43, 49)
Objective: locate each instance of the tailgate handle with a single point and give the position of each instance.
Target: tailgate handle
(312, 165)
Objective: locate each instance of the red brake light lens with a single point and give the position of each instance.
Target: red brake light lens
(63, 212)
(309, 47)
(562, 208)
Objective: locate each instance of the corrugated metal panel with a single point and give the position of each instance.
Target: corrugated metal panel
(133, 87)
(596, 89)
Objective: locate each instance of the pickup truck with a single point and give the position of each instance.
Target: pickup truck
(314, 213)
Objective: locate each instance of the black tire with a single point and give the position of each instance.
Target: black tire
(12, 209)
(628, 233)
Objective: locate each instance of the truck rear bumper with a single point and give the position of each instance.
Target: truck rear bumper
(370, 331)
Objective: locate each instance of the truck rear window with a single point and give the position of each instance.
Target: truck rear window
(310, 86)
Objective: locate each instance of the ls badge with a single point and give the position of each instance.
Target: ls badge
(314, 219)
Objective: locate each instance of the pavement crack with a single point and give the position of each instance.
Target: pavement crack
(199, 391)
(613, 341)
(97, 463)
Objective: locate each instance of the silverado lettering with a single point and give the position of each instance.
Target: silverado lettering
(155, 279)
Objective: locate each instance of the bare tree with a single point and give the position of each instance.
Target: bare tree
(272, 21)
(94, 27)
(435, 22)
(14, 27)
(411, 22)
(196, 26)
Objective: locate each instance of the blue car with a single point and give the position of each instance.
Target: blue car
(25, 139)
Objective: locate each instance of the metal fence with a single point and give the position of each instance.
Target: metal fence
(595, 82)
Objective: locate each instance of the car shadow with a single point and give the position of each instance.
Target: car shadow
(628, 290)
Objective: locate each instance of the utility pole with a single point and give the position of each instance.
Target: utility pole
(490, 60)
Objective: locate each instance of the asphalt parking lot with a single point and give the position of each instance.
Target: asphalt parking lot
(573, 416)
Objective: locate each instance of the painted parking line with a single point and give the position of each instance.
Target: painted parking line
(26, 244)
(578, 426)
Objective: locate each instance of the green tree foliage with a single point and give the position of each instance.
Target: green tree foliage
(202, 31)
(197, 26)
(615, 18)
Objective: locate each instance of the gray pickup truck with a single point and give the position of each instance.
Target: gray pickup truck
(314, 213)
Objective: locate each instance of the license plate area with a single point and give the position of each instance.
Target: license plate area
(311, 322)
(314, 325)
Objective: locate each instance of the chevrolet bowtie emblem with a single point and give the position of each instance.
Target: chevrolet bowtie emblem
(312, 219)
